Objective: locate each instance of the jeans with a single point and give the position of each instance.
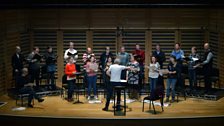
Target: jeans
(92, 83)
(153, 82)
(50, 79)
(71, 87)
(192, 78)
(171, 83)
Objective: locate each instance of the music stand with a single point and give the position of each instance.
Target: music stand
(78, 101)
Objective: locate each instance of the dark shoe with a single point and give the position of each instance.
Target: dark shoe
(105, 109)
(30, 106)
(70, 100)
(173, 100)
(167, 100)
(40, 100)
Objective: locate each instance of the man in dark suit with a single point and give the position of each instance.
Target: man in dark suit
(34, 59)
(17, 62)
(160, 55)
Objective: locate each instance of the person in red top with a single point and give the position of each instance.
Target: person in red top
(140, 57)
(70, 71)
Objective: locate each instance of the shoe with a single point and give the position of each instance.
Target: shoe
(167, 100)
(95, 97)
(40, 100)
(173, 100)
(30, 106)
(70, 100)
(105, 109)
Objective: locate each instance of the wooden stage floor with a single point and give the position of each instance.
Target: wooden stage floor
(55, 106)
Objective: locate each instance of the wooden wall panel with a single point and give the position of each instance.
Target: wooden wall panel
(101, 18)
(163, 18)
(101, 39)
(214, 45)
(191, 38)
(130, 18)
(193, 17)
(221, 58)
(131, 38)
(25, 43)
(95, 27)
(43, 39)
(74, 18)
(44, 18)
(79, 40)
(166, 39)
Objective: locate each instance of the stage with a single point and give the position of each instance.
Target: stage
(54, 108)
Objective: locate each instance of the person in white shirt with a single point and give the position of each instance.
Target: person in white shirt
(115, 78)
(153, 73)
(71, 52)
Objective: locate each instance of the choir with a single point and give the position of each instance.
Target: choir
(114, 68)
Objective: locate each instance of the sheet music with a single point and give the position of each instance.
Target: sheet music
(195, 59)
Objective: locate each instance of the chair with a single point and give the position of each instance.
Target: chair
(156, 95)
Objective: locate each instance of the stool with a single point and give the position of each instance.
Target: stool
(119, 88)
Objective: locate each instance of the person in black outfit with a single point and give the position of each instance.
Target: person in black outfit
(23, 87)
(17, 62)
(50, 59)
(34, 59)
(207, 67)
(103, 63)
(160, 55)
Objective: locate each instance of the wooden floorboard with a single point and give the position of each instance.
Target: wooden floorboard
(55, 106)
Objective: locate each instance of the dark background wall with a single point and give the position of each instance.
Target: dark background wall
(96, 28)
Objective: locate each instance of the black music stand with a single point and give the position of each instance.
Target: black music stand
(77, 76)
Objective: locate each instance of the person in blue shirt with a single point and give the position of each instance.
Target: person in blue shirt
(124, 59)
(178, 53)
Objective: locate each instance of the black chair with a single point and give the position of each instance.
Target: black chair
(156, 95)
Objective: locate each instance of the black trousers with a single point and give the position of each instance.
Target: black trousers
(35, 75)
(207, 79)
(71, 87)
(110, 94)
(30, 91)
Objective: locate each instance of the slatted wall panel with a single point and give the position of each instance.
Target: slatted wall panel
(25, 43)
(214, 45)
(221, 59)
(190, 39)
(101, 39)
(166, 39)
(12, 42)
(79, 40)
(2, 57)
(131, 38)
(42, 39)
